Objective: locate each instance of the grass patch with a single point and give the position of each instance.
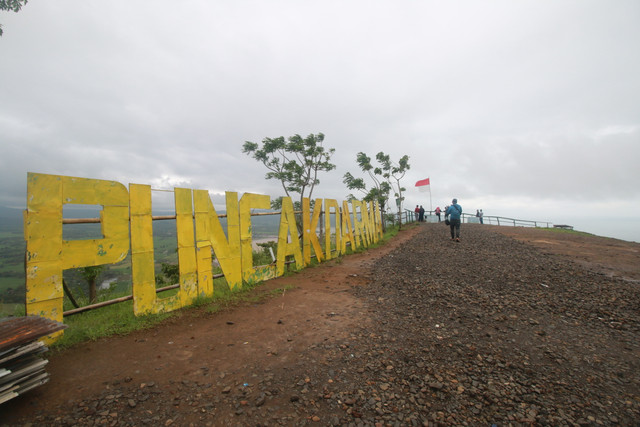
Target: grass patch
(11, 309)
(567, 231)
(119, 319)
(391, 232)
(224, 298)
(11, 282)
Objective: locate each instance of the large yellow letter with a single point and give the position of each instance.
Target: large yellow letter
(357, 224)
(373, 223)
(328, 204)
(252, 274)
(43, 232)
(114, 220)
(367, 229)
(209, 232)
(347, 228)
(143, 276)
(309, 236)
(377, 215)
(187, 264)
(288, 228)
(48, 254)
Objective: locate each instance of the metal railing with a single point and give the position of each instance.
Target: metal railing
(81, 309)
(487, 219)
(408, 216)
(501, 220)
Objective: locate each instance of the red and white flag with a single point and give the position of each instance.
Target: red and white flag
(423, 185)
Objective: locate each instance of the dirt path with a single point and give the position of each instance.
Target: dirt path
(311, 306)
(542, 330)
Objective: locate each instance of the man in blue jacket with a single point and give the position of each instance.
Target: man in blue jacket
(455, 212)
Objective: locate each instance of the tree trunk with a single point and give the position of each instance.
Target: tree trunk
(92, 291)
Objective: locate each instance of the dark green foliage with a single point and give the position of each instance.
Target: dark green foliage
(295, 162)
(170, 274)
(11, 5)
(12, 252)
(263, 257)
(382, 176)
(90, 274)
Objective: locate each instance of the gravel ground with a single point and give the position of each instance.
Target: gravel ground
(491, 331)
(488, 331)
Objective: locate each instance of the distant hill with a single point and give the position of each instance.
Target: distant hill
(10, 219)
(13, 245)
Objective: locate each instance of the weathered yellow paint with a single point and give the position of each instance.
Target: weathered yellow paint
(85, 191)
(358, 211)
(347, 228)
(251, 274)
(380, 223)
(374, 222)
(209, 231)
(187, 264)
(371, 223)
(288, 231)
(356, 227)
(366, 225)
(51, 310)
(142, 270)
(143, 276)
(328, 204)
(44, 281)
(205, 269)
(309, 227)
(114, 221)
(43, 229)
(48, 255)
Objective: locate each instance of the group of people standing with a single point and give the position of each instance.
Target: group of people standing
(452, 217)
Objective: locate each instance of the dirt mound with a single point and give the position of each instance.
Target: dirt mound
(491, 330)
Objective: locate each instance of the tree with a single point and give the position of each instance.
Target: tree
(170, 274)
(395, 171)
(380, 189)
(90, 274)
(11, 5)
(383, 177)
(295, 162)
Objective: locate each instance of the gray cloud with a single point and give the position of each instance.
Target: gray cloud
(505, 103)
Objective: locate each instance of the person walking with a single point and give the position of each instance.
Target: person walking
(454, 212)
(421, 213)
(438, 213)
(481, 215)
(417, 212)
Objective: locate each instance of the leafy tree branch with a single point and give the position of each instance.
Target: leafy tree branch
(295, 162)
(12, 6)
(385, 177)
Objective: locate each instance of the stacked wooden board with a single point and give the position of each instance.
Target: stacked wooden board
(21, 364)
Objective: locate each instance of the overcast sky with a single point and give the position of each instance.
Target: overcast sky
(528, 109)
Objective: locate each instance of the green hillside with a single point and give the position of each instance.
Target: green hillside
(115, 278)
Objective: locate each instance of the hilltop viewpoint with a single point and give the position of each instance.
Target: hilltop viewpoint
(511, 326)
